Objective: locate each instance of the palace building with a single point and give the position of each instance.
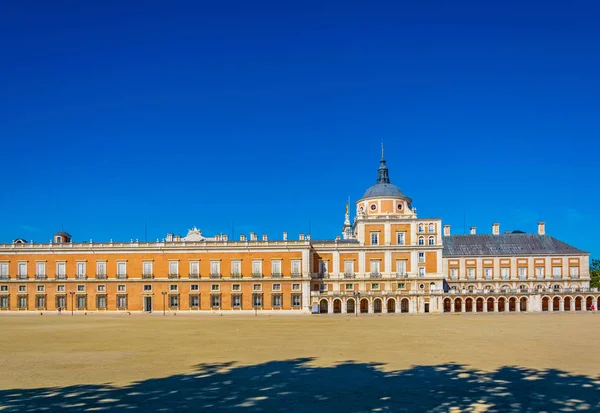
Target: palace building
(386, 260)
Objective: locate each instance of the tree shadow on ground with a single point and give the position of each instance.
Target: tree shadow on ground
(296, 386)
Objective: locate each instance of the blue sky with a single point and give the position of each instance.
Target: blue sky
(268, 115)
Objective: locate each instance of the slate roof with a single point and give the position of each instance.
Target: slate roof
(505, 244)
(384, 190)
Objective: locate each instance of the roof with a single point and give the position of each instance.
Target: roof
(383, 187)
(62, 234)
(505, 244)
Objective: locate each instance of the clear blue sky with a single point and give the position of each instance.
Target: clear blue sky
(270, 114)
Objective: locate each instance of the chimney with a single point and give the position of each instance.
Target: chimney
(265, 237)
(252, 236)
(338, 238)
(308, 237)
(301, 237)
(473, 230)
(446, 230)
(225, 237)
(496, 228)
(242, 237)
(285, 236)
(541, 228)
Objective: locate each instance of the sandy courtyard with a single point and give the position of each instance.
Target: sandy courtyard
(434, 358)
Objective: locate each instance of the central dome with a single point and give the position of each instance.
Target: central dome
(383, 187)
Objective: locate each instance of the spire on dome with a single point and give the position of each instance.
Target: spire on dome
(383, 176)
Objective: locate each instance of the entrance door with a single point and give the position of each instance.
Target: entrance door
(148, 304)
(426, 307)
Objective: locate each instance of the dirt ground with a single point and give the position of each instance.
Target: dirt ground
(50, 351)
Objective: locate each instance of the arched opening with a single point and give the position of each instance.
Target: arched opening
(588, 303)
(364, 305)
(545, 303)
(469, 305)
(350, 306)
(490, 306)
(556, 304)
(501, 304)
(337, 306)
(323, 306)
(391, 305)
(377, 305)
(404, 305)
(447, 305)
(458, 305)
(512, 304)
(578, 302)
(523, 304)
(567, 304)
(479, 305)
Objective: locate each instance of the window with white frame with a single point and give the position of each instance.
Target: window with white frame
(22, 269)
(487, 273)
(147, 288)
(374, 238)
(81, 269)
(101, 288)
(4, 270)
(349, 287)
(81, 288)
(257, 267)
(296, 300)
(61, 269)
(173, 287)
(40, 269)
(60, 288)
(121, 288)
(276, 287)
(4, 288)
(557, 272)
(174, 300)
(277, 300)
(505, 273)
(147, 268)
(236, 287)
(276, 267)
(215, 287)
(421, 271)
(401, 238)
(194, 287)
(471, 273)
(421, 257)
(522, 272)
(431, 228)
(236, 301)
(257, 287)
(101, 268)
(401, 286)
(539, 272)
(173, 268)
(375, 286)
(431, 241)
(22, 288)
(574, 272)
(194, 268)
(122, 302)
(421, 228)
(296, 287)
(121, 269)
(257, 300)
(41, 288)
(323, 267)
(349, 267)
(375, 267)
(421, 241)
(453, 273)
(296, 269)
(236, 268)
(215, 300)
(401, 267)
(215, 268)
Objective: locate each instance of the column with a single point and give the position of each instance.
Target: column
(518, 306)
(561, 305)
(572, 305)
(451, 306)
(336, 264)
(485, 305)
(496, 306)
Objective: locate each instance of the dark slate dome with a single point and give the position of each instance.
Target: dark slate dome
(383, 187)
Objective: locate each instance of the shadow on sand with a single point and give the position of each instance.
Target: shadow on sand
(294, 386)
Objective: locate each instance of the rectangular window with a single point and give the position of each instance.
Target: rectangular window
(257, 300)
(401, 238)
(522, 272)
(401, 267)
(296, 287)
(421, 271)
(147, 268)
(557, 272)
(421, 257)
(236, 301)
(236, 268)
(4, 302)
(22, 267)
(194, 287)
(61, 302)
(22, 302)
(375, 286)
(81, 302)
(4, 288)
(147, 288)
(374, 238)
(194, 301)
(173, 287)
(539, 272)
(40, 302)
(487, 272)
(276, 268)
(257, 287)
(41, 288)
(194, 269)
(81, 270)
(401, 286)
(296, 267)
(215, 300)
(574, 272)
(505, 272)
(81, 288)
(122, 302)
(349, 287)
(296, 300)
(3, 271)
(60, 288)
(22, 288)
(236, 287)
(174, 301)
(61, 270)
(101, 288)
(375, 267)
(121, 288)
(257, 268)
(173, 268)
(276, 287)
(101, 302)
(101, 268)
(215, 268)
(40, 269)
(323, 267)
(121, 269)
(215, 287)
(453, 273)
(349, 268)
(471, 273)
(276, 300)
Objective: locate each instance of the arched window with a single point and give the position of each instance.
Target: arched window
(470, 288)
(431, 228)
(431, 241)
(505, 288)
(523, 288)
(432, 287)
(556, 287)
(421, 228)
(421, 241)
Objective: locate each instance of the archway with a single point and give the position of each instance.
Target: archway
(391, 305)
(556, 304)
(364, 305)
(589, 301)
(578, 302)
(490, 306)
(469, 305)
(323, 306)
(523, 304)
(545, 303)
(458, 305)
(404, 305)
(501, 304)
(512, 304)
(337, 306)
(377, 305)
(447, 305)
(567, 305)
(479, 305)
(350, 306)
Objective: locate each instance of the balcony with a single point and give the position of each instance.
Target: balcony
(276, 275)
(101, 276)
(121, 276)
(22, 277)
(375, 275)
(4, 277)
(40, 276)
(236, 275)
(574, 276)
(61, 277)
(173, 276)
(401, 275)
(349, 275)
(81, 277)
(194, 276)
(557, 276)
(296, 275)
(257, 275)
(215, 275)
(323, 275)
(147, 276)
